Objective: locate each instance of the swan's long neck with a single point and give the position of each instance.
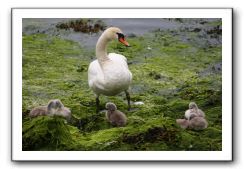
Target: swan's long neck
(101, 49)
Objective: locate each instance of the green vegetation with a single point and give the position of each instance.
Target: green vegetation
(168, 73)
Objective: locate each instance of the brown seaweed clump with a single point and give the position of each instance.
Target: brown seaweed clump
(83, 25)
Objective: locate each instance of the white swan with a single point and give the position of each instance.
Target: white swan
(109, 74)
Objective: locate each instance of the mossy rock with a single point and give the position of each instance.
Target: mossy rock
(46, 133)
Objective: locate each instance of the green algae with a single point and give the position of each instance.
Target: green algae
(166, 77)
(46, 133)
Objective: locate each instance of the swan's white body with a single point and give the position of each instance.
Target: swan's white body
(109, 73)
(112, 78)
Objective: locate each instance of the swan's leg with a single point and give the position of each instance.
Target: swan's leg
(128, 99)
(97, 102)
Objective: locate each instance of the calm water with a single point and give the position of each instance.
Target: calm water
(130, 26)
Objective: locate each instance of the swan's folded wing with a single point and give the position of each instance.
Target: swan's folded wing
(117, 58)
(95, 76)
(93, 72)
(121, 60)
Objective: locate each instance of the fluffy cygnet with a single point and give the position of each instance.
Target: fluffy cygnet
(195, 123)
(38, 111)
(114, 116)
(193, 110)
(54, 107)
(183, 123)
(198, 123)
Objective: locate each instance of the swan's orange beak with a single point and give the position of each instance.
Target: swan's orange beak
(122, 40)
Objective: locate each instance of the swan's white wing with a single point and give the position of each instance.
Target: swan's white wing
(95, 75)
(115, 56)
(120, 59)
(113, 78)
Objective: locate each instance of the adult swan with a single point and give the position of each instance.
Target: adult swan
(109, 73)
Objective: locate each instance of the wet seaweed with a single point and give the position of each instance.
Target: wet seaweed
(168, 73)
(83, 25)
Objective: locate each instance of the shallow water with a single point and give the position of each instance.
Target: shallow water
(130, 26)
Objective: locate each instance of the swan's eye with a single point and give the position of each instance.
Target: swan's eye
(120, 35)
(121, 38)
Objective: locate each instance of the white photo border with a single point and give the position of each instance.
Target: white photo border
(227, 134)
